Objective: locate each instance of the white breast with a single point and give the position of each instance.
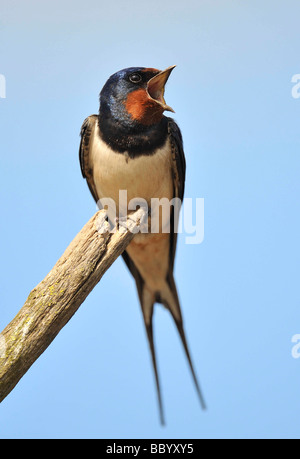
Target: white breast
(142, 177)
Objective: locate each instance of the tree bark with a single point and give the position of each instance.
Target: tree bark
(53, 302)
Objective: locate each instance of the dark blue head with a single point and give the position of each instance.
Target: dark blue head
(135, 95)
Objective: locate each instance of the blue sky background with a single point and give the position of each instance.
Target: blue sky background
(239, 289)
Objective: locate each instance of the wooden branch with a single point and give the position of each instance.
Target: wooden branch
(53, 302)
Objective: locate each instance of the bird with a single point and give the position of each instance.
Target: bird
(131, 145)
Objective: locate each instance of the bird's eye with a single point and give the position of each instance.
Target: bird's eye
(135, 78)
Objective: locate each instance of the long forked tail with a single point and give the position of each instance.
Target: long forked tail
(197, 385)
(174, 308)
(147, 303)
(168, 297)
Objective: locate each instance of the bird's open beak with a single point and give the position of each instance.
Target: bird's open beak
(156, 87)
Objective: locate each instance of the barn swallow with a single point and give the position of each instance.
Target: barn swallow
(130, 145)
